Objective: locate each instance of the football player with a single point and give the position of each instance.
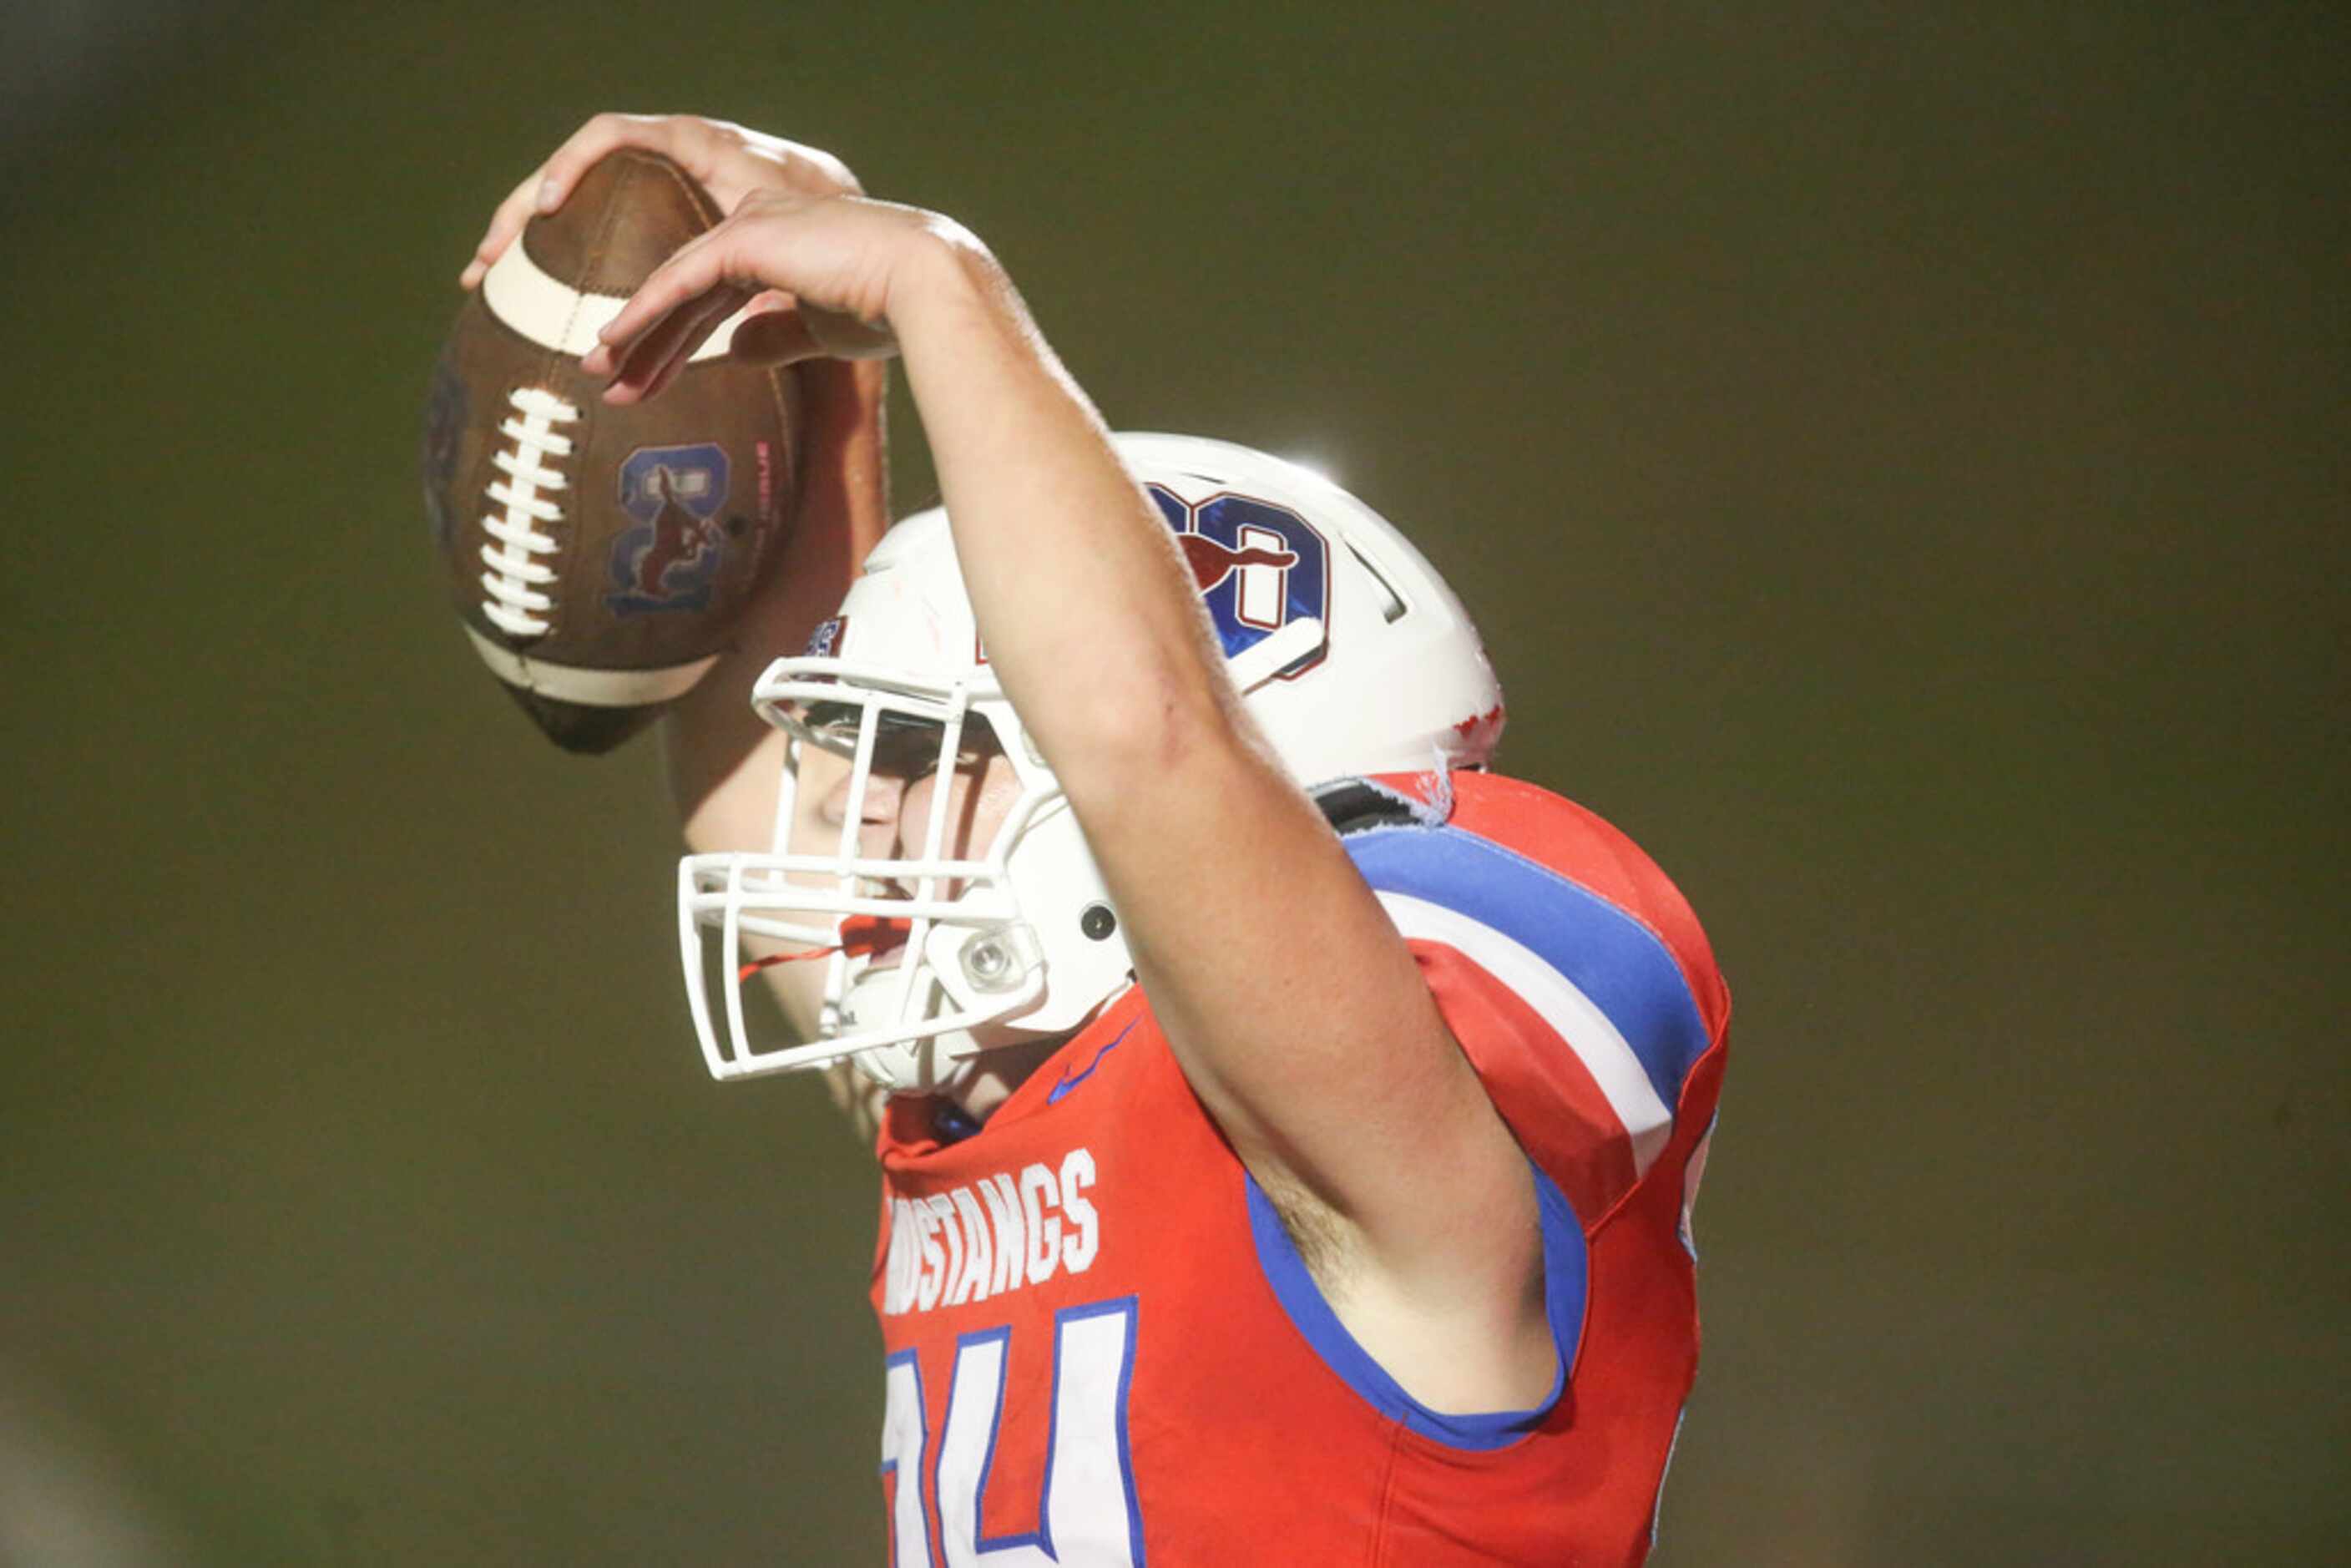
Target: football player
(1287, 1128)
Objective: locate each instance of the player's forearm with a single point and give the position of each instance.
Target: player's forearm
(1093, 625)
(722, 767)
(1091, 618)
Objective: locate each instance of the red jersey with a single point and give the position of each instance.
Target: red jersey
(1104, 1349)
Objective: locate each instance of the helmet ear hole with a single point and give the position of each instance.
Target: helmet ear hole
(1098, 923)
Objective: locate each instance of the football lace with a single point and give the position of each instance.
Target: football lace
(515, 603)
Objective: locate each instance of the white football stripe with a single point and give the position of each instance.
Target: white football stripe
(554, 315)
(1572, 1014)
(589, 688)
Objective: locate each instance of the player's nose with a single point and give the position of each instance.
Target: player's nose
(878, 808)
(910, 826)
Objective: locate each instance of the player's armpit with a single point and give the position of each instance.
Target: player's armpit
(1304, 1024)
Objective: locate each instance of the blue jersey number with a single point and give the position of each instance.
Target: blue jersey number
(1087, 1511)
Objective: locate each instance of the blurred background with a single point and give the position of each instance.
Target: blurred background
(1896, 452)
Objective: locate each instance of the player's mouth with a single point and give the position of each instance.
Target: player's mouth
(879, 939)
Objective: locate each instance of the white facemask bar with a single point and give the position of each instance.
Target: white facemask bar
(736, 893)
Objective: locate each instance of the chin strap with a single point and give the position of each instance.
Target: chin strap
(861, 936)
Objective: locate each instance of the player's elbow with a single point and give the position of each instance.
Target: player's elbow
(1144, 738)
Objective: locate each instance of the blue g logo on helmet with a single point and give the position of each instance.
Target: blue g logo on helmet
(1258, 566)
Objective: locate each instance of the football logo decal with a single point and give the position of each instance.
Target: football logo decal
(1258, 566)
(670, 559)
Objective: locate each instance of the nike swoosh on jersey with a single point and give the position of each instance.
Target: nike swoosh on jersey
(1067, 1081)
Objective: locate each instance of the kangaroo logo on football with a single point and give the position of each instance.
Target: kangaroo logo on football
(671, 558)
(1258, 567)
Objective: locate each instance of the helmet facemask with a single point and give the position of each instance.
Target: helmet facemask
(929, 947)
(915, 955)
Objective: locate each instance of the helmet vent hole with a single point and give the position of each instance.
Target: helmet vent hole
(1392, 605)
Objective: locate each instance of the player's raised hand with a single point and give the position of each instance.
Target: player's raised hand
(840, 260)
(730, 161)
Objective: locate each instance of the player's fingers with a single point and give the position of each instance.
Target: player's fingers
(631, 363)
(699, 146)
(603, 133)
(617, 350)
(651, 362)
(704, 319)
(550, 184)
(665, 373)
(625, 371)
(720, 256)
(547, 187)
(735, 258)
(777, 336)
(696, 267)
(640, 376)
(505, 223)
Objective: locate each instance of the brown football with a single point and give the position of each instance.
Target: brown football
(599, 556)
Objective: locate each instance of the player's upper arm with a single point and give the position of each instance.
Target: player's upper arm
(1305, 1023)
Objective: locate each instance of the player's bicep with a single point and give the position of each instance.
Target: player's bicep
(1304, 1022)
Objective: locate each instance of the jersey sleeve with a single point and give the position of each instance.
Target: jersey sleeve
(1572, 973)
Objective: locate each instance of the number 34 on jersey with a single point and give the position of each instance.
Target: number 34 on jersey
(1009, 1231)
(1088, 1499)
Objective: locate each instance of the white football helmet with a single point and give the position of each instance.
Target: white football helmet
(1350, 653)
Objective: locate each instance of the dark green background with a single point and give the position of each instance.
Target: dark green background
(1897, 455)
